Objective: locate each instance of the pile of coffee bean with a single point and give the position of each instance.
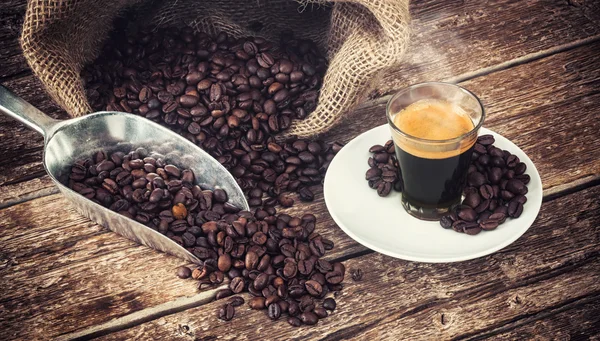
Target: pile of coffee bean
(274, 257)
(229, 96)
(496, 186)
(384, 174)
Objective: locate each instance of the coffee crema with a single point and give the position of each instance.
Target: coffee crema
(434, 120)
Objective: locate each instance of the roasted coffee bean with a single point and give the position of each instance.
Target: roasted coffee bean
(329, 304)
(486, 140)
(235, 301)
(309, 318)
(293, 321)
(274, 311)
(257, 303)
(184, 272)
(224, 293)
(515, 209)
(314, 288)
(261, 281)
(473, 199)
(476, 179)
(356, 274)
(489, 224)
(237, 285)
(226, 312)
(516, 186)
(446, 221)
(320, 312)
(224, 262)
(334, 277)
(466, 213)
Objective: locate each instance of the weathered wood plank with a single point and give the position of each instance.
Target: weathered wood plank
(450, 38)
(554, 263)
(579, 323)
(26, 190)
(547, 107)
(12, 61)
(21, 148)
(60, 270)
(459, 37)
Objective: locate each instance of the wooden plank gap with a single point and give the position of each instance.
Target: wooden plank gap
(571, 187)
(15, 76)
(528, 58)
(44, 192)
(142, 316)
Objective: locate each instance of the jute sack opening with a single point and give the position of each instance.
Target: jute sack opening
(362, 40)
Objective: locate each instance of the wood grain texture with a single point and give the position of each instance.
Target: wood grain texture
(450, 38)
(457, 37)
(26, 190)
(12, 62)
(578, 323)
(555, 262)
(21, 148)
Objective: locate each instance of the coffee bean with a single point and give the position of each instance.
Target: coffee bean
(261, 281)
(235, 301)
(286, 201)
(516, 186)
(224, 262)
(334, 277)
(329, 304)
(476, 179)
(237, 285)
(289, 270)
(320, 312)
(293, 321)
(446, 222)
(226, 312)
(274, 311)
(309, 318)
(467, 213)
(314, 288)
(356, 274)
(473, 199)
(257, 303)
(515, 209)
(224, 293)
(184, 272)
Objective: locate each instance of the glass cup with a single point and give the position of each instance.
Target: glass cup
(434, 127)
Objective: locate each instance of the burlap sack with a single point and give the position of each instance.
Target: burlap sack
(361, 38)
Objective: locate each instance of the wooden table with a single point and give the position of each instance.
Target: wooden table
(536, 66)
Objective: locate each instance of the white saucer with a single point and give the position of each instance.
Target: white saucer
(381, 224)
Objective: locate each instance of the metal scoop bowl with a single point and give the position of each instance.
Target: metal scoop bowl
(68, 141)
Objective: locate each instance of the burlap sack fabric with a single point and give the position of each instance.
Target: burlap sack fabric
(362, 39)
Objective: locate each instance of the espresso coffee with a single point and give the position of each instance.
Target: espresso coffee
(434, 167)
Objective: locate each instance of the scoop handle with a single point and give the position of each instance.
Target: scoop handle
(14, 106)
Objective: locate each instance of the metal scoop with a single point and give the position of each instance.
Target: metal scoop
(77, 138)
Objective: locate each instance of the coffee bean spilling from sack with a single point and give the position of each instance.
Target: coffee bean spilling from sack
(496, 185)
(229, 96)
(275, 257)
